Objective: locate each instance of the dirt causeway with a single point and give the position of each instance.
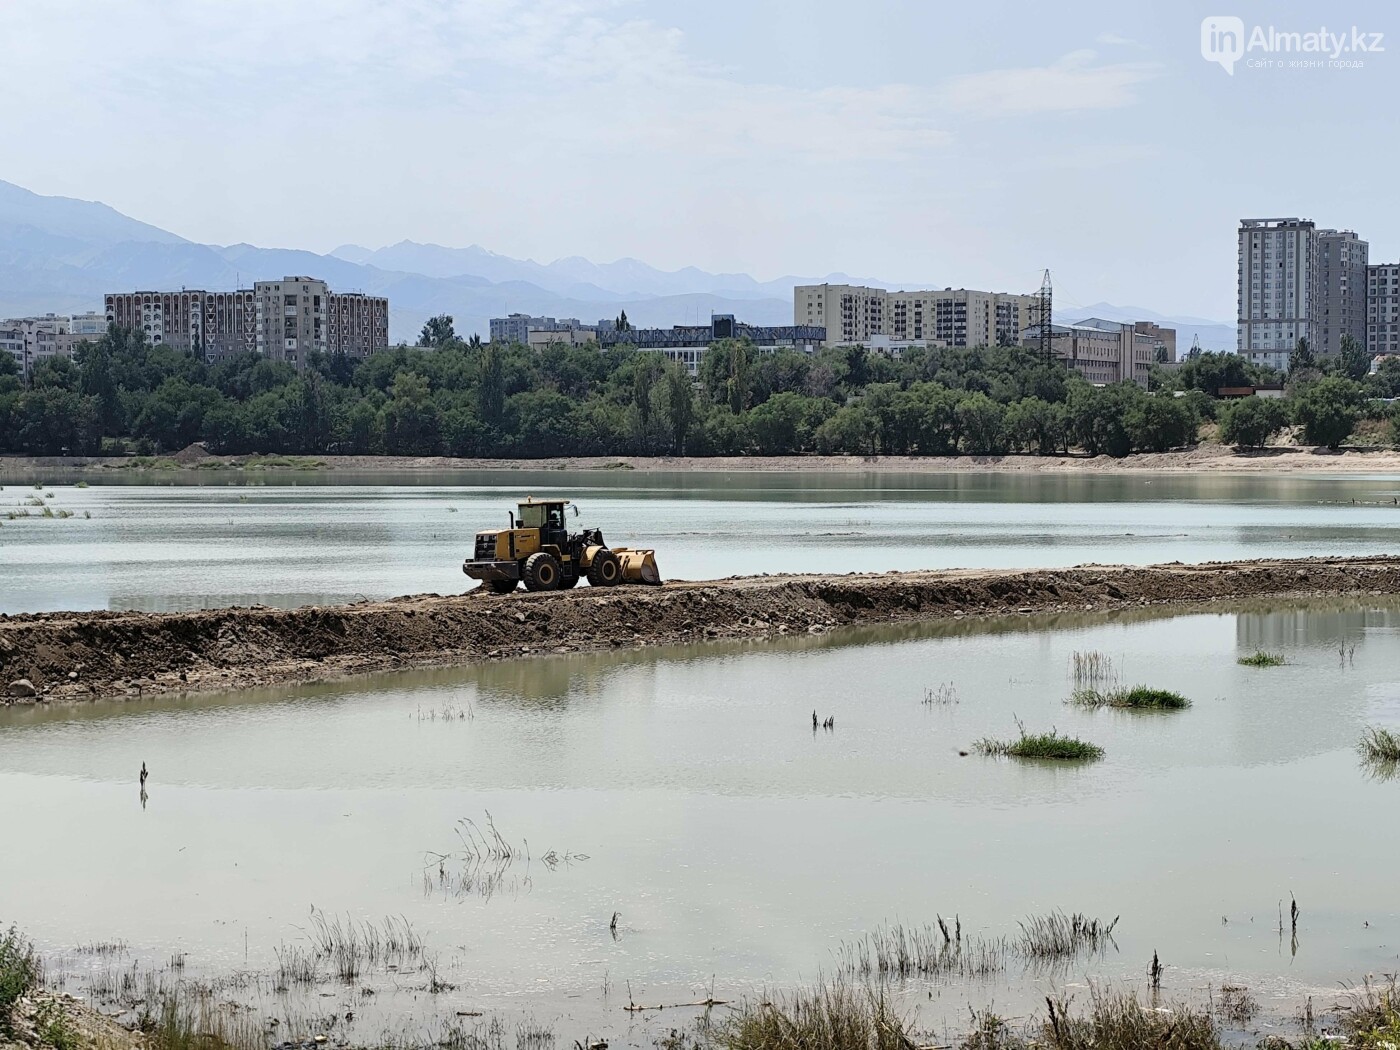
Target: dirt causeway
(76, 656)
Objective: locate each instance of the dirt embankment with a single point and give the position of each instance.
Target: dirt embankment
(74, 656)
(1205, 458)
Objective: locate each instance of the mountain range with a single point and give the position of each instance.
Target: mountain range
(61, 255)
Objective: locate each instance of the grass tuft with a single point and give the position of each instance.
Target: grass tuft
(1138, 698)
(1379, 745)
(1262, 659)
(832, 1017)
(1040, 745)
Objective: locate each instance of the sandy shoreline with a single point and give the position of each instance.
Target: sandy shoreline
(1202, 459)
(93, 655)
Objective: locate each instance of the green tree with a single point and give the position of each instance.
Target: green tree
(1353, 360)
(1158, 422)
(787, 422)
(437, 332)
(1251, 421)
(1302, 358)
(1328, 410)
(680, 406)
(491, 390)
(1037, 426)
(412, 422)
(982, 423)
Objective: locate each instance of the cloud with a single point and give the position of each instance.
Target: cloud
(1073, 82)
(1113, 39)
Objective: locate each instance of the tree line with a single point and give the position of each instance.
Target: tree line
(466, 398)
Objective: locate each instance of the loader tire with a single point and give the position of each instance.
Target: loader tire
(501, 586)
(605, 571)
(541, 572)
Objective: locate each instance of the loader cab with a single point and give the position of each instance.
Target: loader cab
(548, 516)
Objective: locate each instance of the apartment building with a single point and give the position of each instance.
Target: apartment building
(211, 324)
(1294, 282)
(1383, 309)
(283, 320)
(859, 315)
(1342, 262)
(518, 328)
(1102, 351)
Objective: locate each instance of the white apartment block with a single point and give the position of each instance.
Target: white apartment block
(1295, 282)
(857, 315)
(1383, 309)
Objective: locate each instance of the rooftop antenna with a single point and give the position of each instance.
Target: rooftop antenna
(1042, 314)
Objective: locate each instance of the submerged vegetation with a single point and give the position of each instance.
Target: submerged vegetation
(1138, 698)
(1262, 659)
(1092, 669)
(1051, 745)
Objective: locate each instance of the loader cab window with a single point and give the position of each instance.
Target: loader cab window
(531, 516)
(555, 517)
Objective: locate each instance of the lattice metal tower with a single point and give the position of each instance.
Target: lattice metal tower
(1042, 315)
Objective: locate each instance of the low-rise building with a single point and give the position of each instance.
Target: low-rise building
(1163, 341)
(686, 344)
(1103, 352)
(857, 315)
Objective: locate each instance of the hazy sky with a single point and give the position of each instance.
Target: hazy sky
(920, 142)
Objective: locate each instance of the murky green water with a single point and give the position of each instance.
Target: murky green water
(207, 540)
(738, 846)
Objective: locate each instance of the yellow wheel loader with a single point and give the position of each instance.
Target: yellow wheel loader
(539, 551)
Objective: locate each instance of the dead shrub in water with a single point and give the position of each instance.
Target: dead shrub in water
(1059, 936)
(943, 696)
(832, 1017)
(1236, 1005)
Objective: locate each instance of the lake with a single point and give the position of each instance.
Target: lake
(201, 539)
(684, 790)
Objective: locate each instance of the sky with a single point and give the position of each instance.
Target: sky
(922, 143)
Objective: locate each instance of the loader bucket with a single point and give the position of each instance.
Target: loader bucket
(638, 566)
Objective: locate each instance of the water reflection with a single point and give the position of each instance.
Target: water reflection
(283, 541)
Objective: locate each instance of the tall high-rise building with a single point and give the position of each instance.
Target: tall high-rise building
(858, 315)
(1342, 258)
(1298, 282)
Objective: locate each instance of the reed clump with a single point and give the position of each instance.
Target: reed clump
(1051, 745)
(836, 1016)
(1379, 745)
(924, 951)
(1136, 698)
(1260, 658)
(350, 946)
(1061, 936)
(1092, 669)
